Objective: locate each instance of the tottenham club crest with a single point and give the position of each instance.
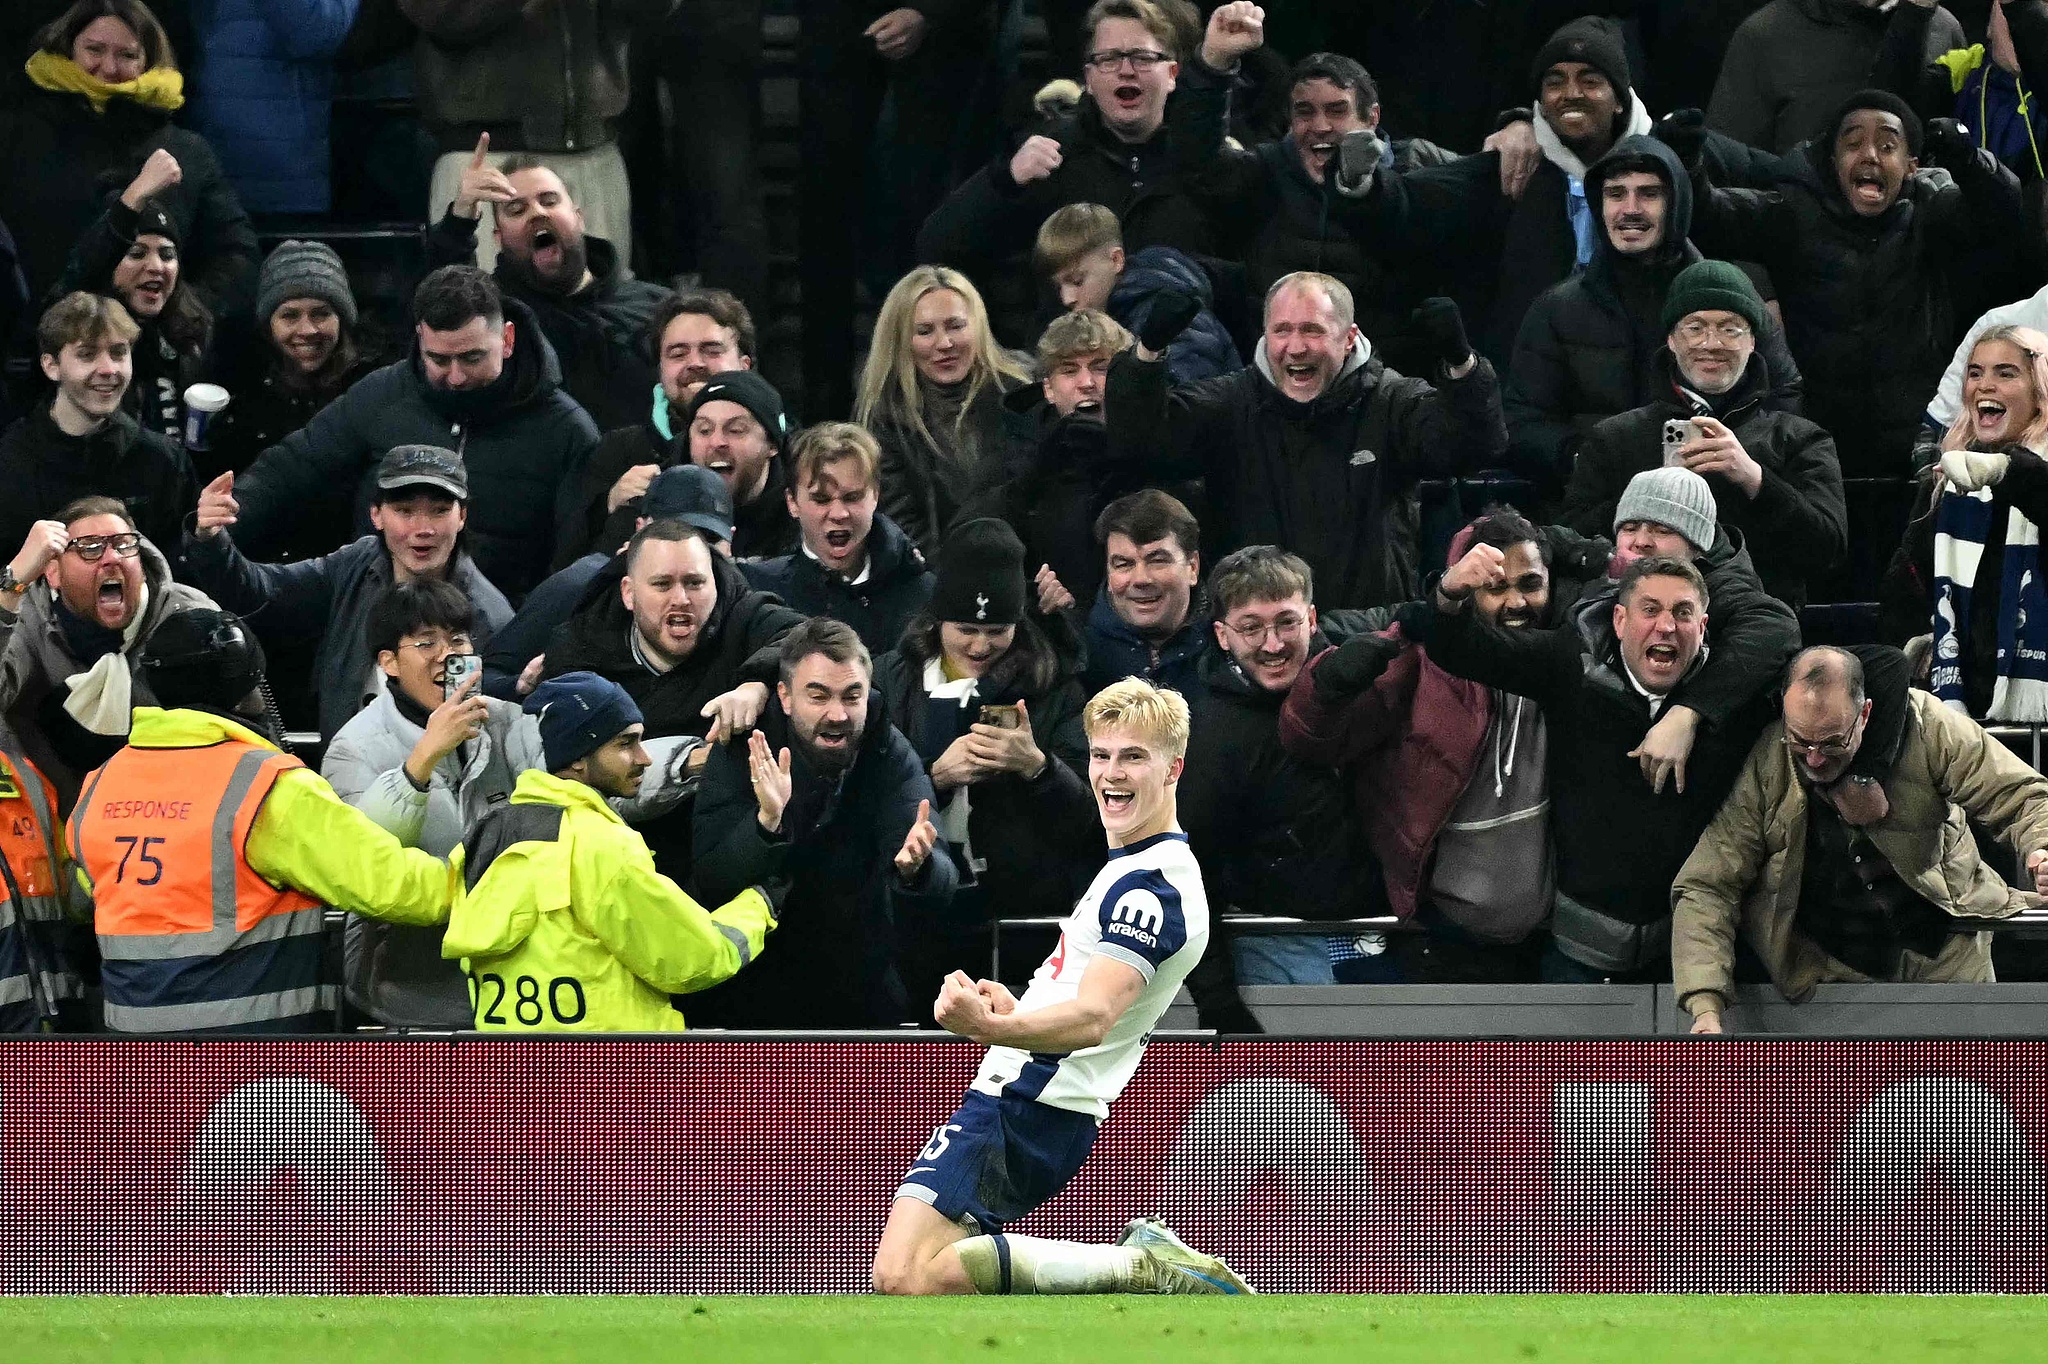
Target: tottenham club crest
(981, 606)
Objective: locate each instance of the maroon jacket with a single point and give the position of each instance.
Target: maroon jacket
(1411, 742)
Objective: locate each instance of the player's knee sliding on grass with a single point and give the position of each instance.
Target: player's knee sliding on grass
(1061, 1055)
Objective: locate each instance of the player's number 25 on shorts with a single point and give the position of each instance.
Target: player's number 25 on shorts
(941, 1139)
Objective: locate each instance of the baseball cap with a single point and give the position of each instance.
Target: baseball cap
(693, 495)
(430, 466)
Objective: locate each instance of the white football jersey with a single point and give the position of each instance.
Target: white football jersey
(1147, 909)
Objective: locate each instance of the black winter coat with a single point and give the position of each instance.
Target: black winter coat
(58, 160)
(1594, 345)
(1874, 307)
(897, 587)
(1204, 348)
(1323, 478)
(599, 334)
(923, 490)
(1275, 835)
(265, 410)
(523, 441)
(1040, 839)
(1750, 632)
(1790, 65)
(1064, 471)
(42, 469)
(737, 645)
(1292, 222)
(991, 217)
(830, 963)
(1797, 526)
(1495, 254)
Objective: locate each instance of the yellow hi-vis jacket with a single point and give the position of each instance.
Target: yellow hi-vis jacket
(565, 925)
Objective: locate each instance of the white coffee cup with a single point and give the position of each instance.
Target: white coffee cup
(201, 402)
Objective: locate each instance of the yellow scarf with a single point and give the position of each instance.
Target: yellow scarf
(161, 87)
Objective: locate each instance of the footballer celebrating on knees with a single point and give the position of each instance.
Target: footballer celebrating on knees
(1062, 1054)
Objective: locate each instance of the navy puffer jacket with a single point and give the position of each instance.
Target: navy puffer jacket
(1204, 350)
(264, 99)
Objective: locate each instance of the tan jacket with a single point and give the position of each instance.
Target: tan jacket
(1748, 864)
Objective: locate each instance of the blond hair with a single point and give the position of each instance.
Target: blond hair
(1072, 232)
(2034, 346)
(1157, 21)
(888, 382)
(1157, 713)
(80, 317)
(829, 443)
(1075, 334)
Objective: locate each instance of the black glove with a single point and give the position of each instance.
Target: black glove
(1685, 132)
(1440, 327)
(1354, 665)
(1167, 318)
(775, 890)
(1947, 143)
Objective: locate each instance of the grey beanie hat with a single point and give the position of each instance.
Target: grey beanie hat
(1674, 497)
(299, 269)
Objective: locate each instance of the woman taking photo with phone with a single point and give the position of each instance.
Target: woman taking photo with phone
(995, 715)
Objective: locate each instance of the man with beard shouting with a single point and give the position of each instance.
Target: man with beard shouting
(849, 824)
(589, 306)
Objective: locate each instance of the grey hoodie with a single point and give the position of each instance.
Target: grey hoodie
(36, 661)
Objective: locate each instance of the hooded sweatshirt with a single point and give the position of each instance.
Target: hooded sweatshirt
(1593, 345)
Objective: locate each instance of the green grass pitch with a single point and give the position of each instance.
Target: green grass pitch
(1283, 1330)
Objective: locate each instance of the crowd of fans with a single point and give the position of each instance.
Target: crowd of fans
(1462, 446)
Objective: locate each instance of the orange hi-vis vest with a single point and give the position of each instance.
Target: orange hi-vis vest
(31, 894)
(191, 937)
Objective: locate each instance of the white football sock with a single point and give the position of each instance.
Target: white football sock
(1030, 1264)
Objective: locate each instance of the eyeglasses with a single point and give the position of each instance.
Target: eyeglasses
(127, 545)
(430, 649)
(1255, 632)
(1826, 748)
(1731, 332)
(1140, 58)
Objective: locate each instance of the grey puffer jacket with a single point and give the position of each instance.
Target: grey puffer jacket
(36, 663)
(393, 972)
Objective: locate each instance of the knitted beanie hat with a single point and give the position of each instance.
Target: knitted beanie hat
(1674, 497)
(1713, 286)
(299, 269)
(981, 575)
(1594, 41)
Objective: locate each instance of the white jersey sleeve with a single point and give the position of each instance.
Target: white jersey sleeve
(1146, 909)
